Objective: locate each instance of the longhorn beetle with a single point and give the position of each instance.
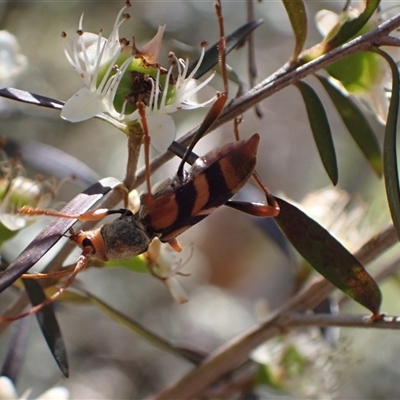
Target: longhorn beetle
(176, 206)
(178, 203)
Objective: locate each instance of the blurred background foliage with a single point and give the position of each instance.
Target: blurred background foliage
(232, 264)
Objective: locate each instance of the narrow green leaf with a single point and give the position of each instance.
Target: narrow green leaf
(233, 40)
(350, 28)
(320, 128)
(48, 325)
(390, 167)
(298, 19)
(356, 124)
(328, 256)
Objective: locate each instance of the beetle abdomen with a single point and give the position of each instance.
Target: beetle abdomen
(211, 182)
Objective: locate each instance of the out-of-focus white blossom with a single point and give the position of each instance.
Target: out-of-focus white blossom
(8, 392)
(300, 363)
(16, 191)
(340, 213)
(12, 62)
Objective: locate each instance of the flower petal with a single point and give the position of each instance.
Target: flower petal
(176, 290)
(161, 131)
(87, 43)
(83, 105)
(152, 48)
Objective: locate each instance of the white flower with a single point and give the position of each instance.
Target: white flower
(16, 191)
(364, 75)
(12, 62)
(162, 264)
(8, 392)
(117, 75)
(22, 191)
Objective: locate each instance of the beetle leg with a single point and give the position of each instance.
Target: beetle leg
(174, 243)
(146, 141)
(257, 209)
(80, 265)
(49, 275)
(271, 209)
(218, 105)
(94, 215)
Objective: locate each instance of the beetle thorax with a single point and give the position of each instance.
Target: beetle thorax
(125, 238)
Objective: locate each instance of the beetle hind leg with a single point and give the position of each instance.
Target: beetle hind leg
(80, 265)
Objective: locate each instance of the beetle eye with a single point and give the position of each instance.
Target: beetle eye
(87, 243)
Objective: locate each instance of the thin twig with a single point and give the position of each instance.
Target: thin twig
(343, 320)
(251, 56)
(375, 246)
(388, 271)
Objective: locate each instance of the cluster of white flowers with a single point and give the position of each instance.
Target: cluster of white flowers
(117, 74)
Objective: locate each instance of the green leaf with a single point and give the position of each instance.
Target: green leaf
(328, 256)
(359, 72)
(356, 124)
(135, 264)
(298, 19)
(233, 40)
(48, 324)
(390, 167)
(320, 128)
(350, 28)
